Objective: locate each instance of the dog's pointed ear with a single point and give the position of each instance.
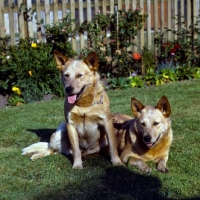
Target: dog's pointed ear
(92, 61)
(60, 59)
(164, 106)
(136, 106)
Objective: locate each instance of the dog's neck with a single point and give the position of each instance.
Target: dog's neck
(91, 93)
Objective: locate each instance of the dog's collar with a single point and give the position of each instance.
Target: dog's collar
(100, 100)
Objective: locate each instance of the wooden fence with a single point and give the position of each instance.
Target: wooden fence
(160, 13)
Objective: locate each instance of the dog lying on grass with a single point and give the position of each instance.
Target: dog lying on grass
(147, 137)
(88, 127)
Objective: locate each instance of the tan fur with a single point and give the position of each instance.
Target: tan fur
(88, 128)
(147, 137)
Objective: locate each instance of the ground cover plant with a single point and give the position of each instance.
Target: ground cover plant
(53, 178)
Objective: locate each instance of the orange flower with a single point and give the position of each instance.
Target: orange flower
(136, 56)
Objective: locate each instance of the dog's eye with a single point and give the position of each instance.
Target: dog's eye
(79, 75)
(142, 124)
(155, 123)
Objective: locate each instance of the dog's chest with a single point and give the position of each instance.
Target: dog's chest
(86, 122)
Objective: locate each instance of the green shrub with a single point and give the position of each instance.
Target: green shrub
(184, 49)
(58, 36)
(30, 67)
(113, 55)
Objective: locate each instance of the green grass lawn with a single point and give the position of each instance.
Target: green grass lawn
(52, 177)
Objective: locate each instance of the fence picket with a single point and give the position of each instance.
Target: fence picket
(2, 23)
(11, 22)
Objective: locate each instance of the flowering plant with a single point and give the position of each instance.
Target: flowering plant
(137, 56)
(184, 49)
(114, 58)
(28, 72)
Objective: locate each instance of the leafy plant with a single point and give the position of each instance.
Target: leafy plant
(168, 74)
(113, 55)
(30, 67)
(185, 48)
(135, 81)
(15, 100)
(118, 83)
(148, 59)
(58, 36)
(184, 72)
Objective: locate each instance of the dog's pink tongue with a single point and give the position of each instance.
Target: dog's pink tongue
(149, 144)
(72, 99)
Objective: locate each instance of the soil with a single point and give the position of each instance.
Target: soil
(4, 102)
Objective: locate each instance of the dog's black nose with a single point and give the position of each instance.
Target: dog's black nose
(147, 138)
(69, 89)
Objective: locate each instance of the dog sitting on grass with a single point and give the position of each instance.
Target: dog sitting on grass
(88, 128)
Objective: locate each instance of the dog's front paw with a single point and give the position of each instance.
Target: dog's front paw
(145, 169)
(163, 169)
(161, 166)
(117, 162)
(77, 167)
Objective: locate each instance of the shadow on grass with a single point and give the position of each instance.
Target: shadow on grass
(43, 134)
(117, 183)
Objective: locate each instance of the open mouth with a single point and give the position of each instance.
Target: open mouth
(151, 144)
(72, 98)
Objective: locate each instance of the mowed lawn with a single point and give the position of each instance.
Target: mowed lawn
(53, 178)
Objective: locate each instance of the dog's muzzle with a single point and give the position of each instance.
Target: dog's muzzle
(147, 141)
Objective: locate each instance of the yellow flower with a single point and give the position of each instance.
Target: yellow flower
(165, 76)
(16, 90)
(34, 45)
(30, 73)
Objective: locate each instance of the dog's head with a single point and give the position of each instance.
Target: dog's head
(76, 75)
(152, 122)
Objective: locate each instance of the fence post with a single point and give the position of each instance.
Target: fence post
(155, 25)
(29, 23)
(169, 16)
(2, 25)
(149, 24)
(80, 4)
(39, 28)
(24, 22)
(72, 14)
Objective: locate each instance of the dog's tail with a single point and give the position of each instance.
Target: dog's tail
(39, 150)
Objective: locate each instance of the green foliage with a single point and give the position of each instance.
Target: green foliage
(136, 81)
(15, 100)
(118, 83)
(113, 55)
(58, 36)
(30, 67)
(185, 72)
(148, 59)
(184, 49)
(151, 77)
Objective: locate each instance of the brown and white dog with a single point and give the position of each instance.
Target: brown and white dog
(147, 137)
(88, 127)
